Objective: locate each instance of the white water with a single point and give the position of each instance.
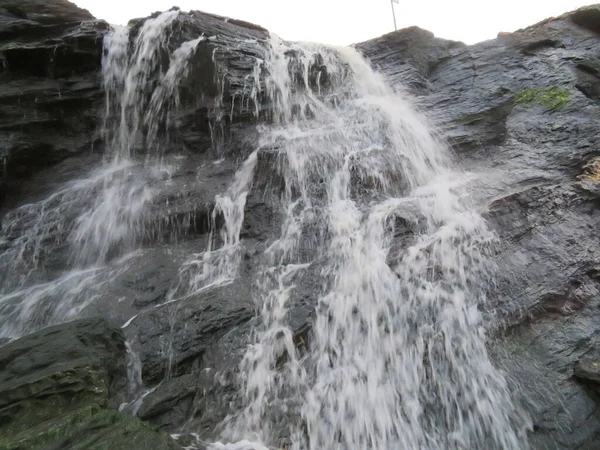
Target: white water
(397, 356)
(219, 265)
(104, 214)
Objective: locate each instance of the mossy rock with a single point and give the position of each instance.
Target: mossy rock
(111, 430)
(91, 428)
(59, 395)
(553, 98)
(56, 389)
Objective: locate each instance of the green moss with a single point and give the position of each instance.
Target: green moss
(62, 427)
(92, 428)
(41, 400)
(553, 98)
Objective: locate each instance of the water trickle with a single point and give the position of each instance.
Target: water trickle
(95, 222)
(134, 372)
(219, 264)
(397, 355)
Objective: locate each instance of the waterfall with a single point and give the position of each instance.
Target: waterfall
(96, 222)
(116, 219)
(373, 212)
(397, 354)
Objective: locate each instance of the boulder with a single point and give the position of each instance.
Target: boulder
(56, 388)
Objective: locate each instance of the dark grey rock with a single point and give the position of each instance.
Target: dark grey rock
(24, 17)
(409, 56)
(50, 86)
(588, 367)
(175, 401)
(587, 17)
(80, 344)
(527, 159)
(172, 338)
(56, 386)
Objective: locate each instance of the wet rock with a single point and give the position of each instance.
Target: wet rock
(172, 338)
(588, 367)
(143, 284)
(217, 91)
(110, 429)
(587, 17)
(532, 46)
(56, 386)
(588, 75)
(409, 55)
(220, 368)
(50, 86)
(25, 17)
(482, 127)
(88, 347)
(539, 358)
(175, 401)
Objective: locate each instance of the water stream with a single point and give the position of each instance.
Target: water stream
(397, 355)
(372, 209)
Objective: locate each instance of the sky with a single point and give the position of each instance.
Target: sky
(344, 22)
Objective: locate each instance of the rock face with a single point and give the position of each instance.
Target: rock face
(56, 387)
(525, 105)
(51, 87)
(521, 112)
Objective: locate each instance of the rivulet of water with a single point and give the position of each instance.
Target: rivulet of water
(397, 355)
(373, 212)
(96, 221)
(219, 264)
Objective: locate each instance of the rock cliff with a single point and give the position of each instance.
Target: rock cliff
(523, 109)
(521, 113)
(51, 87)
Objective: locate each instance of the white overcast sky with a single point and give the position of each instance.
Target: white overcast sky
(343, 22)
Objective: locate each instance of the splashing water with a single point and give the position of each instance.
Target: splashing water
(106, 214)
(372, 212)
(397, 355)
(218, 266)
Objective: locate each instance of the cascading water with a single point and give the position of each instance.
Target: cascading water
(116, 219)
(98, 221)
(397, 355)
(372, 212)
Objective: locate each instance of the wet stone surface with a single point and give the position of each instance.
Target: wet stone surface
(524, 157)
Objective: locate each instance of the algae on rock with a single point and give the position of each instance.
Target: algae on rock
(553, 98)
(57, 387)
